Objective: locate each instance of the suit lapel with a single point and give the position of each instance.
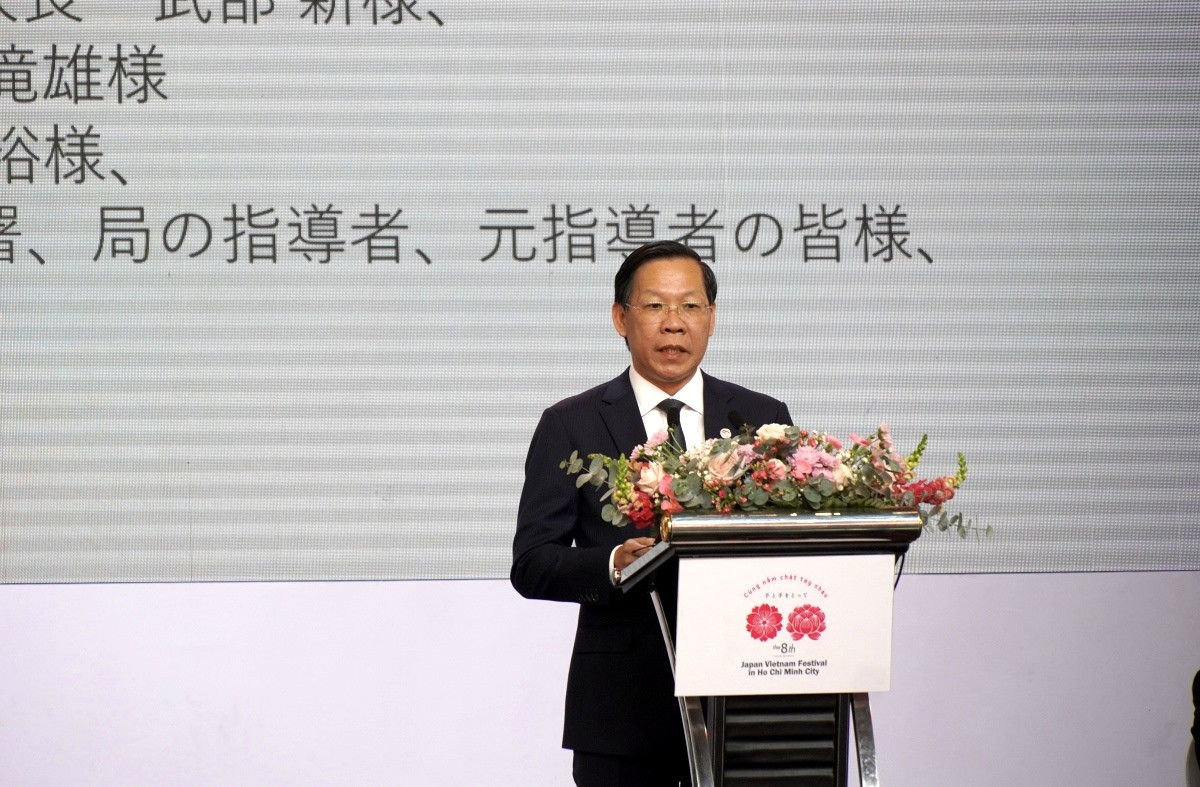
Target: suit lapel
(621, 416)
(620, 412)
(718, 401)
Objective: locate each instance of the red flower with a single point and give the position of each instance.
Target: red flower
(764, 622)
(935, 491)
(641, 511)
(806, 621)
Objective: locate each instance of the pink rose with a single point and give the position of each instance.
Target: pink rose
(668, 502)
(775, 469)
(649, 477)
(725, 467)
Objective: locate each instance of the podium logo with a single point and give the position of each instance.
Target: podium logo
(764, 622)
(806, 621)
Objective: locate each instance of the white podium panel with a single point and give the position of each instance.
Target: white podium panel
(784, 625)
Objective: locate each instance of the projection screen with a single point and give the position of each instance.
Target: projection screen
(284, 286)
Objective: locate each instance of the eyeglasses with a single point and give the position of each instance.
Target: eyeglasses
(657, 312)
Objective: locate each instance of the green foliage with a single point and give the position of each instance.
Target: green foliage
(938, 518)
(914, 458)
(961, 474)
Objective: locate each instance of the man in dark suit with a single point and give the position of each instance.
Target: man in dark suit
(622, 719)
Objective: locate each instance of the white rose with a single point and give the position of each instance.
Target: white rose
(768, 432)
(841, 476)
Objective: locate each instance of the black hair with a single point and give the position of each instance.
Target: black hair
(658, 250)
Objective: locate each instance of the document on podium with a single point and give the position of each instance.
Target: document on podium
(645, 565)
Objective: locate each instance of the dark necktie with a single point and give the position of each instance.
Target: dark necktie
(672, 407)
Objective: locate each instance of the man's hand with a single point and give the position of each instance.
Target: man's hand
(630, 551)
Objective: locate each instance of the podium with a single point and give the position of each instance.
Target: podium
(772, 704)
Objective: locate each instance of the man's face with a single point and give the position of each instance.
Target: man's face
(666, 348)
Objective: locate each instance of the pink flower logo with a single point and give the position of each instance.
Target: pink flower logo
(806, 621)
(764, 622)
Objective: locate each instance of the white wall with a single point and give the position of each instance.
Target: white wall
(997, 680)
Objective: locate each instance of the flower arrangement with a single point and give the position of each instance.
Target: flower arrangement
(774, 466)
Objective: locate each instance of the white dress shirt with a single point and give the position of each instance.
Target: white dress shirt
(691, 418)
